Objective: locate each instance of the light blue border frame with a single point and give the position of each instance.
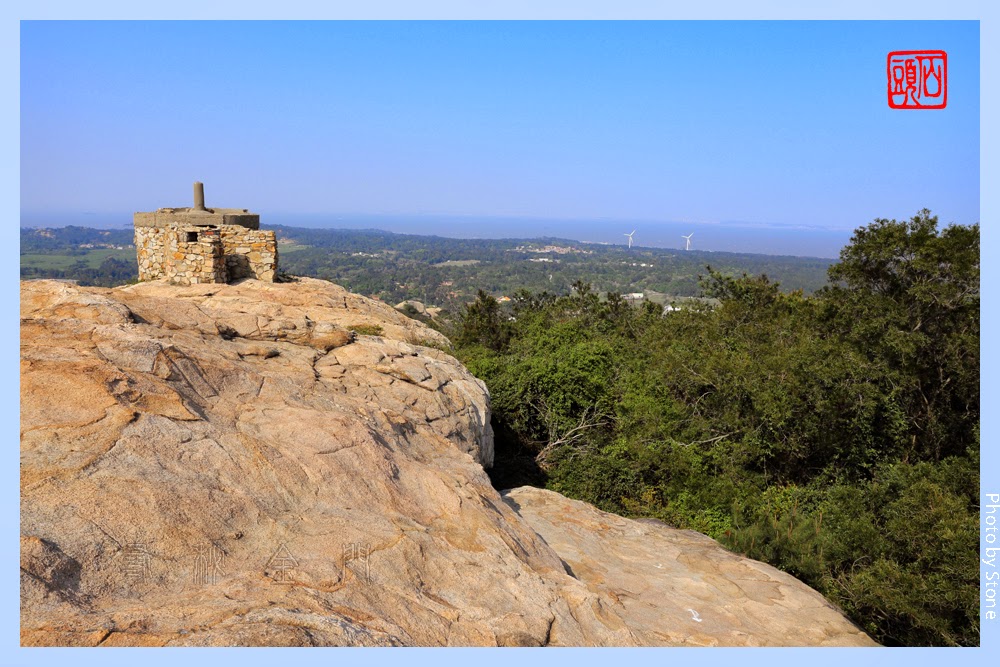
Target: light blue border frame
(12, 654)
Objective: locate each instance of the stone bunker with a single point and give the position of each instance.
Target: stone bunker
(188, 246)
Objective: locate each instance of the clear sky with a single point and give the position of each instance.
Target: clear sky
(759, 123)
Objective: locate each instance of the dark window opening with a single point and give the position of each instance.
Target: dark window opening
(192, 237)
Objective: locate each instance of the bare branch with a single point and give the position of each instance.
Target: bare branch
(705, 442)
(588, 420)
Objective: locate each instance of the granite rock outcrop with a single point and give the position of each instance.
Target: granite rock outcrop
(234, 465)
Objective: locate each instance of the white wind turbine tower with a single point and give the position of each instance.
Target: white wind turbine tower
(688, 240)
(629, 238)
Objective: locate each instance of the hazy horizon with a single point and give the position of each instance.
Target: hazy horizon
(723, 236)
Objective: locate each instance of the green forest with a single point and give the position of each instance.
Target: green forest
(834, 435)
(437, 271)
(448, 272)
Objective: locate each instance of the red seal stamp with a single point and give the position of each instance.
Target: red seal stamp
(917, 79)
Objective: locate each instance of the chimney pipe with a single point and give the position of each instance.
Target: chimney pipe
(199, 196)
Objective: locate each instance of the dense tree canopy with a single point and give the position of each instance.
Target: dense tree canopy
(834, 435)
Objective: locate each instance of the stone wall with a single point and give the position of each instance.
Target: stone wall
(188, 255)
(151, 252)
(194, 256)
(250, 253)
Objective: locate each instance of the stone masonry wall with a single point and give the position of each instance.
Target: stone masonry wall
(250, 253)
(151, 252)
(219, 255)
(193, 262)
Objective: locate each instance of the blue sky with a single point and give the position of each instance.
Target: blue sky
(772, 124)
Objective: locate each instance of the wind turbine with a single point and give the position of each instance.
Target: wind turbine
(688, 239)
(629, 238)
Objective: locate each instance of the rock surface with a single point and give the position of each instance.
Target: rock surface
(231, 465)
(679, 587)
(419, 308)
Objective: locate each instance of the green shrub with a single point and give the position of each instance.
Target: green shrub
(366, 329)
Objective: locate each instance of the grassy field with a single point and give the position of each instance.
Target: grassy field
(458, 262)
(93, 258)
(290, 247)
